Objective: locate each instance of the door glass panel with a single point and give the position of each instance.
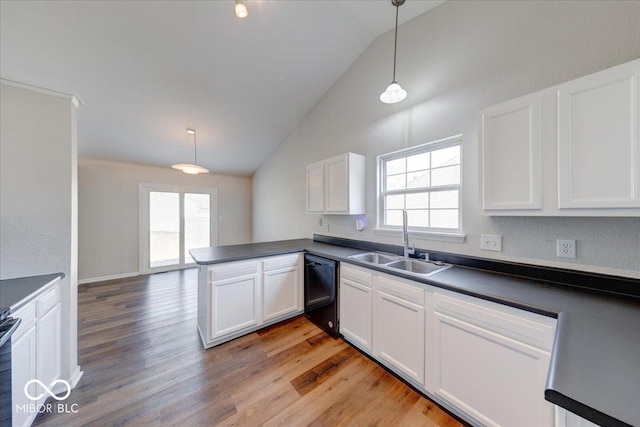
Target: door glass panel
(197, 223)
(164, 229)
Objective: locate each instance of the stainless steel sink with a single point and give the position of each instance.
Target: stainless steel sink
(422, 268)
(375, 257)
(398, 263)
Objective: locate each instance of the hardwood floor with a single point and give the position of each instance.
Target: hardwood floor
(144, 365)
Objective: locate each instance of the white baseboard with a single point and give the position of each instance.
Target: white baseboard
(114, 276)
(75, 378)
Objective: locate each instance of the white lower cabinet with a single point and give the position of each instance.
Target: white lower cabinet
(486, 361)
(23, 364)
(234, 304)
(48, 327)
(35, 353)
(243, 296)
(399, 325)
(356, 306)
(281, 287)
(491, 361)
(564, 418)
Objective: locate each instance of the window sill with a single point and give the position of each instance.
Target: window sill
(424, 235)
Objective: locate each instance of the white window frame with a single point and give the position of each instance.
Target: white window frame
(442, 234)
(143, 222)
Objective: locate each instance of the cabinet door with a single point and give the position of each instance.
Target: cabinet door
(356, 309)
(315, 187)
(564, 418)
(398, 327)
(598, 141)
(512, 154)
(48, 333)
(280, 292)
(234, 304)
(495, 379)
(23, 370)
(336, 179)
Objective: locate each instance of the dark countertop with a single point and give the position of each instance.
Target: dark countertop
(15, 292)
(595, 363)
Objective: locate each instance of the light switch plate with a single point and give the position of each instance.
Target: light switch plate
(491, 242)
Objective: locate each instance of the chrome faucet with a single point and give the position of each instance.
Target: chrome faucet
(408, 250)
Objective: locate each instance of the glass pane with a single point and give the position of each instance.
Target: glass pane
(418, 218)
(444, 199)
(197, 223)
(393, 217)
(418, 179)
(393, 167)
(164, 229)
(418, 201)
(446, 218)
(445, 157)
(445, 176)
(395, 202)
(418, 162)
(396, 182)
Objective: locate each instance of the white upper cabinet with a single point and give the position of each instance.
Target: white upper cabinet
(336, 185)
(569, 150)
(598, 143)
(512, 153)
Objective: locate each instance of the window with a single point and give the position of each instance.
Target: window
(174, 220)
(424, 180)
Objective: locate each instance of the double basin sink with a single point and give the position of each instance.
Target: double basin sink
(398, 263)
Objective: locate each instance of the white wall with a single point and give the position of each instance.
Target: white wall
(454, 60)
(37, 197)
(108, 212)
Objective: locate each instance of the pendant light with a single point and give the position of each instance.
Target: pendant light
(394, 92)
(241, 9)
(191, 169)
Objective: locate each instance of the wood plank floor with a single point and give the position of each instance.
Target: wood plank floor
(144, 365)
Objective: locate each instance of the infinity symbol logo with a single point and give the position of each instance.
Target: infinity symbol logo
(47, 390)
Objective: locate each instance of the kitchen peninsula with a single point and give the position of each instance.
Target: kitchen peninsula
(593, 369)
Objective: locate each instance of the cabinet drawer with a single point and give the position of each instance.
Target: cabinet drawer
(27, 316)
(278, 262)
(233, 269)
(48, 300)
(357, 275)
(523, 326)
(401, 290)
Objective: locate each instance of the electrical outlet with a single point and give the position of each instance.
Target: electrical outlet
(566, 248)
(326, 227)
(491, 242)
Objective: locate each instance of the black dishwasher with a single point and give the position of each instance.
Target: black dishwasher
(321, 293)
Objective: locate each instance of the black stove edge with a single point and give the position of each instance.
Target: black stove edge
(594, 282)
(582, 410)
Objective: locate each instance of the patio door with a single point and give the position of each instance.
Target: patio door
(173, 220)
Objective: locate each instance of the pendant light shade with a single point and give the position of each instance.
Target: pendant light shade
(241, 9)
(394, 92)
(188, 168)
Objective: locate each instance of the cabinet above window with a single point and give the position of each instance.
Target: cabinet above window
(570, 150)
(337, 185)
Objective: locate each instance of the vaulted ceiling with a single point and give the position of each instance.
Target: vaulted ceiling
(147, 70)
